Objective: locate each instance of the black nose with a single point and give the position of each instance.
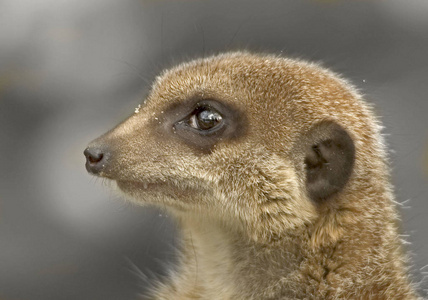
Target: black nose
(96, 159)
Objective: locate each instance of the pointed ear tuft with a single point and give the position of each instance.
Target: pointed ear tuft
(329, 160)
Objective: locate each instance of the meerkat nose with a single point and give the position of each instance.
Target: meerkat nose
(96, 159)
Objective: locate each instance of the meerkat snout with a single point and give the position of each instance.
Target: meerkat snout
(96, 159)
(276, 172)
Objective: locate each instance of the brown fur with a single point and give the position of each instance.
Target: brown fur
(249, 229)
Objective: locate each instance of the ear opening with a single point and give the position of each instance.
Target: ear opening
(329, 160)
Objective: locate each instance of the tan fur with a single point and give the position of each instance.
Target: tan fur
(249, 229)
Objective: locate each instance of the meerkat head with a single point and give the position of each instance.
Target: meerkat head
(263, 143)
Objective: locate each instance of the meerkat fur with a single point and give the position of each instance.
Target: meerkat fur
(276, 173)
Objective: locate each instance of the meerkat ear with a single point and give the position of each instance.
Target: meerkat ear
(329, 160)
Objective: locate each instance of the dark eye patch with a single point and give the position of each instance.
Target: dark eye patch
(202, 123)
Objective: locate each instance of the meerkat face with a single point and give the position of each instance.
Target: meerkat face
(254, 139)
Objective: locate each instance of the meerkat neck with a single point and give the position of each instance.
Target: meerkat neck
(217, 258)
(206, 261)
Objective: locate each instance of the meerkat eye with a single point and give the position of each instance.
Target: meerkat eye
(204, 123)
(205, 118)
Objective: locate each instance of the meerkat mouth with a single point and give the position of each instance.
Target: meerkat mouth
(168, 189)
(126, 185)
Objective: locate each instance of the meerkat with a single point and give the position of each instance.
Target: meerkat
(276, 173)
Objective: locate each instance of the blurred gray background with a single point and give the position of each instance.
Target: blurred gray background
(70, 70)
